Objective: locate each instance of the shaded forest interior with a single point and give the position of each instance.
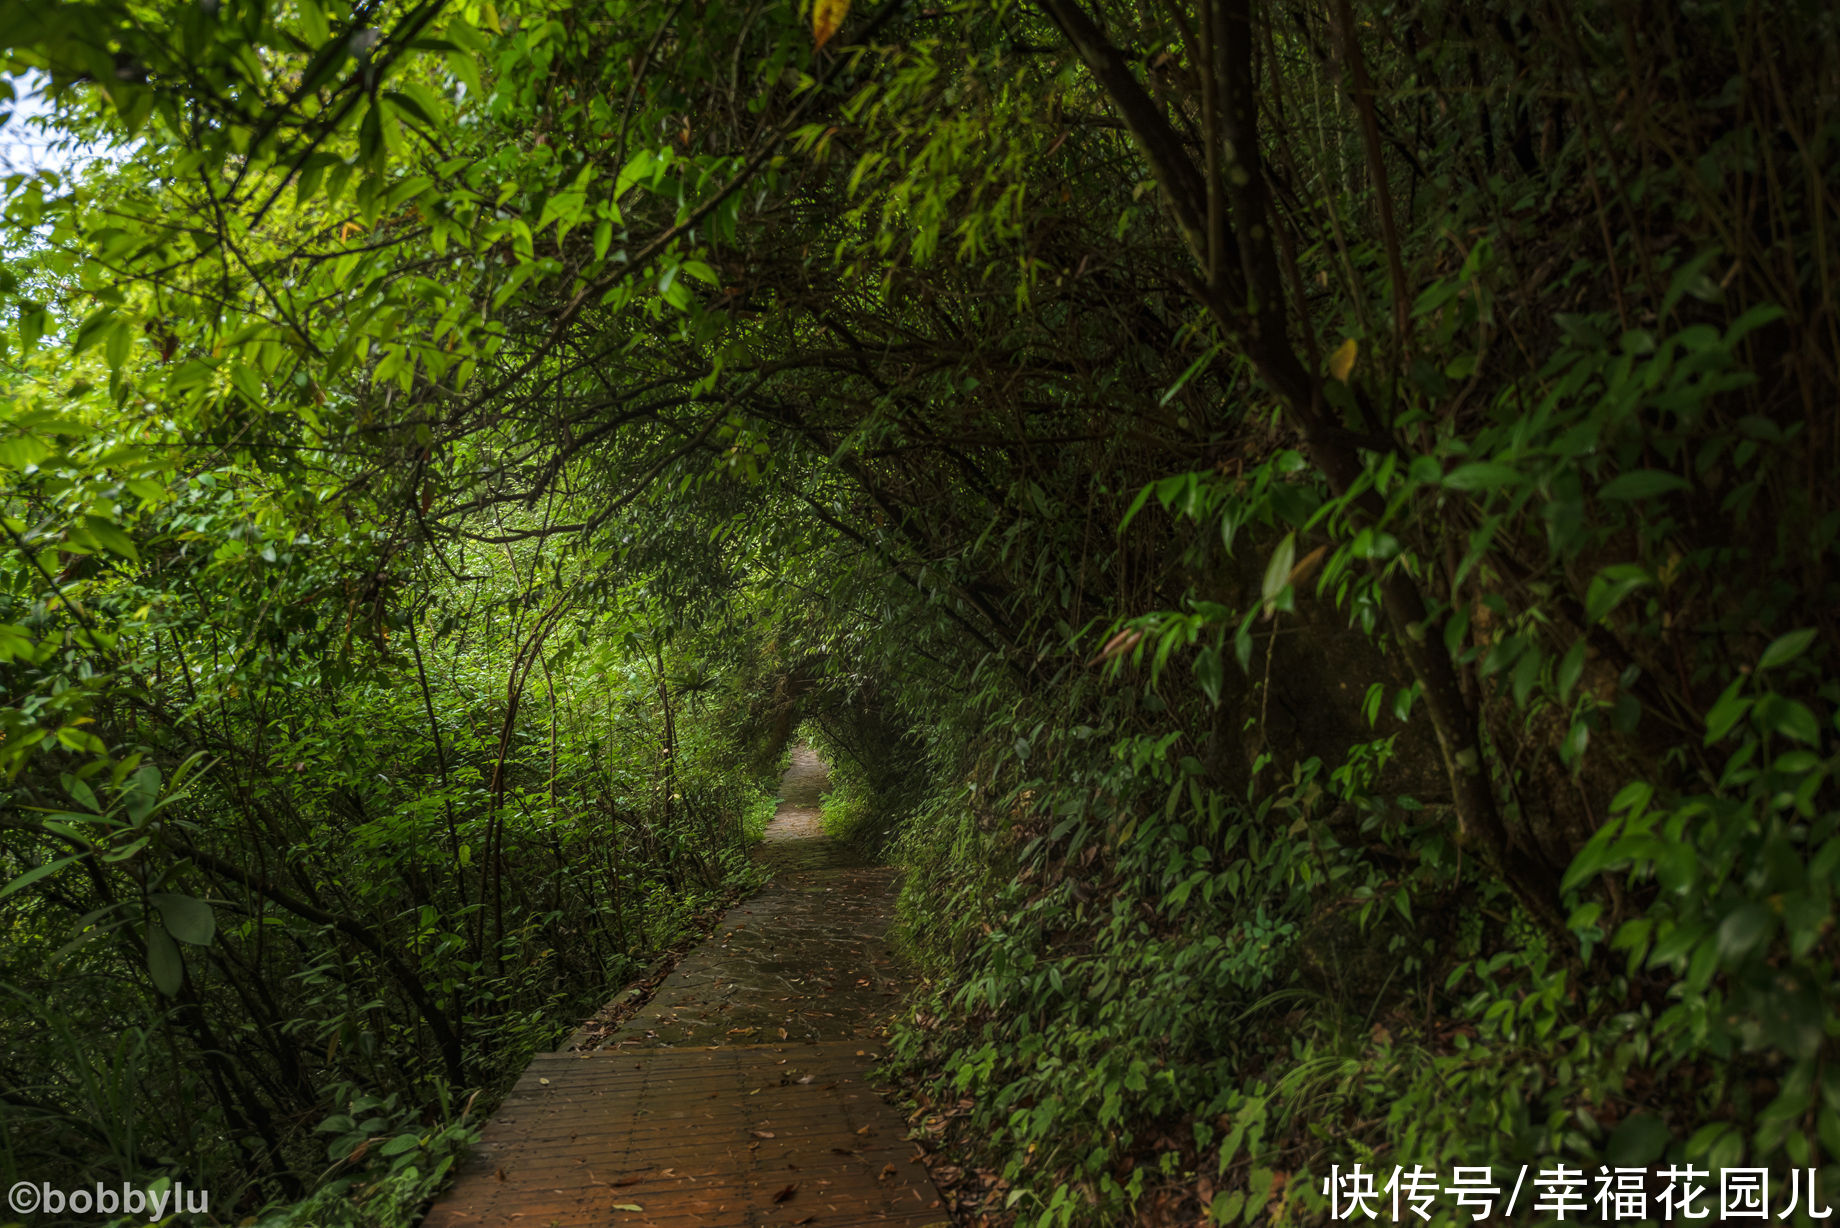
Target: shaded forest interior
(1308, 531)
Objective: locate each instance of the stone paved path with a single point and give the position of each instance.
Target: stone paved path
(737, 1096)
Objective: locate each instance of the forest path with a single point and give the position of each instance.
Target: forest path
(737, 1096)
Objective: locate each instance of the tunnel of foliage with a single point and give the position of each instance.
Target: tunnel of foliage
(1309, 529)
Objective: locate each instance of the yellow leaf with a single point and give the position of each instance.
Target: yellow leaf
(1302, 571)
(1342, 361)
(826, 16)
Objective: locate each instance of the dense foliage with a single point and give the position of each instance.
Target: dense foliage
(1309, 530)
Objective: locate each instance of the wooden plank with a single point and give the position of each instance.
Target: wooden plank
(696, 1113)
(707, 1137)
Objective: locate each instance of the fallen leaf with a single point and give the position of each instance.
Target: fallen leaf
(826, 16)
(1118, 645)
(785, 1192)
(1342, 361)
(1307, 565)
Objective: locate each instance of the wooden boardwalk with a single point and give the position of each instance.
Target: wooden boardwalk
(737, 1097)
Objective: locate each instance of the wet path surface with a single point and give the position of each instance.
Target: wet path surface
(738, 1095)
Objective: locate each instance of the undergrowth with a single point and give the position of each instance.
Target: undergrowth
(851, 807)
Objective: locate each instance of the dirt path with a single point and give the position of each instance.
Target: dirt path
(737, 1096)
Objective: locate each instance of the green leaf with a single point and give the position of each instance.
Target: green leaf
(164, 963)
(1210, 673)
(400, 1144)
(33, 320)
(1632, 796)
(84, 795)
(1610, 586)
(35, 873)
(1743, 930)
(125, 852)
(1569, 669)
(186, 918)
(313, 22)
(1779, 715)
(194, 762)
(1143, 497)
(323, 65)
(21, 451)
(1258, 1194)
(1278, 570)
(1576, 740)
(1691, 278)
(91, 329)
(1526, 674)
(1727, 711)
(1596, 854)
(1640, 1139)
(109, 535)
(417, 101)
(1643, 484)
(1193, 367)
(1828, 1125)
(142, 793)
(249, 383)
(1785, 648)
(1755, 318)
(1482, 475)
